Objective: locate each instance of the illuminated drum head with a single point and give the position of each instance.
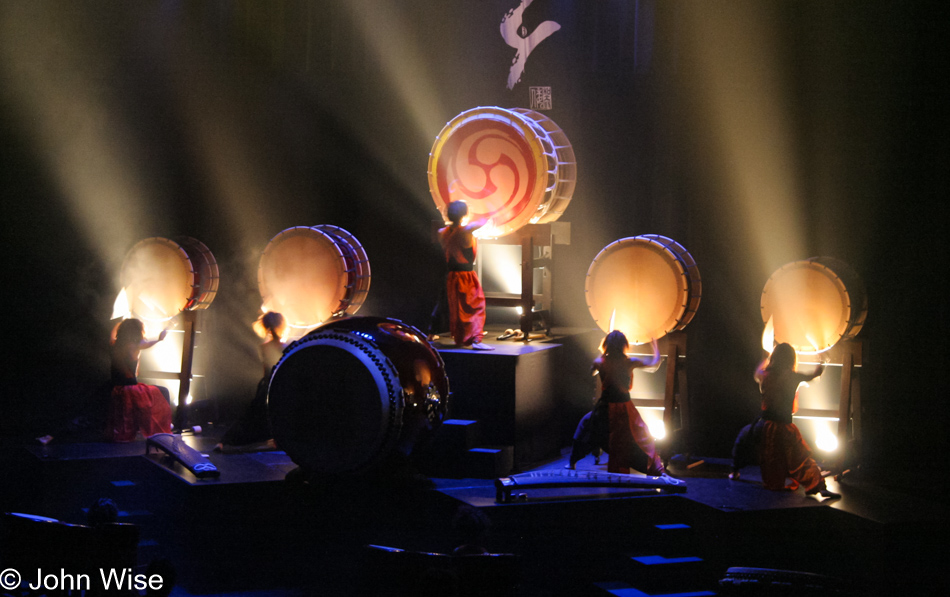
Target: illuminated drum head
(495, 161)
(647, 286)
(811, 306)
(302, 275)
(158, 279)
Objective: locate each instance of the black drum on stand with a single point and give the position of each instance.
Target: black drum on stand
(354, 391)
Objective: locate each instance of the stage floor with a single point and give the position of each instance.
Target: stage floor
(706, 478)
(570, 541)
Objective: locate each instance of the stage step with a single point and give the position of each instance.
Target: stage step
(489, 462)
(456, 450)
(458, 434)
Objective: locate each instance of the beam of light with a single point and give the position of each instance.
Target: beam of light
(406, 67)
(239, 174)
(120, 308)
(613, 320)
(155, 306)
(814, 345)
(739, 94)
(657, 428)
(166, 355)
(768, 336)
(825, 439)
(57, 96)
(487, 231)
(501, 267)
(385, 29)
(653, 417)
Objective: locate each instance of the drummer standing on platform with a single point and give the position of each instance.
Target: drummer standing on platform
(466, 300)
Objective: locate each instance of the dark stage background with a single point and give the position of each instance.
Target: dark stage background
(753, 133)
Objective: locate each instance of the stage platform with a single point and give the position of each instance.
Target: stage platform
(526, 395)
(249, 529)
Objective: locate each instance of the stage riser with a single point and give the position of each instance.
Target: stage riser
(511, 396)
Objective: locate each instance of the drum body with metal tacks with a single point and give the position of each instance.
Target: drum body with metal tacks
(645, 286)
(515, 167)
(162, 277)
(814, 304)
(310, 274)
(350, 392)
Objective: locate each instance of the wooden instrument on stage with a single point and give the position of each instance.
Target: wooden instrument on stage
(180, 452)
(163, 277)
(814, 304)
(646, 286)
(555, 478)
(352, 391)
(311, 274)
(514, 166)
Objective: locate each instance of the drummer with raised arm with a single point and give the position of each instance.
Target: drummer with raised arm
(466, 300)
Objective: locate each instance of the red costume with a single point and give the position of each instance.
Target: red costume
(784, 452)
(135, 407)
(466, 300)
(629, 444)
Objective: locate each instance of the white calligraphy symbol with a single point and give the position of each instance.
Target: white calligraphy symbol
(516, 36)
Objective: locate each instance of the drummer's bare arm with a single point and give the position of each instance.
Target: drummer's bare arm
(150, 343)
(474, 225)
(760, 370)
(818, 371)
(654, 360)
(595, 366)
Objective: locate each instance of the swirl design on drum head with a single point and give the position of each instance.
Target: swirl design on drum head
(491, 169)
(513, 167)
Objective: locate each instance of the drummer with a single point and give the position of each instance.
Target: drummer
(466, 300)
(252, 432)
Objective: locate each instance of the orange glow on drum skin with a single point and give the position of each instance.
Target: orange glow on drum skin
(643, 283)
(815, 303)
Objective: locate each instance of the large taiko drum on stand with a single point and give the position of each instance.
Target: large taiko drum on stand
(352, 391)
(311, 274)
(814, 304)
(162, 277)
(646, 286)
(514, 166)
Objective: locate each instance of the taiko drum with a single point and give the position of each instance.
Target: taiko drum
(514, 166)
(310, 274)
(647, 286)
(815, 303)
(163, 277)
(350, 392)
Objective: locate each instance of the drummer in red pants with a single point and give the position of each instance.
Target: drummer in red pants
(135, 407)
(466, 300)
(623, 432)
